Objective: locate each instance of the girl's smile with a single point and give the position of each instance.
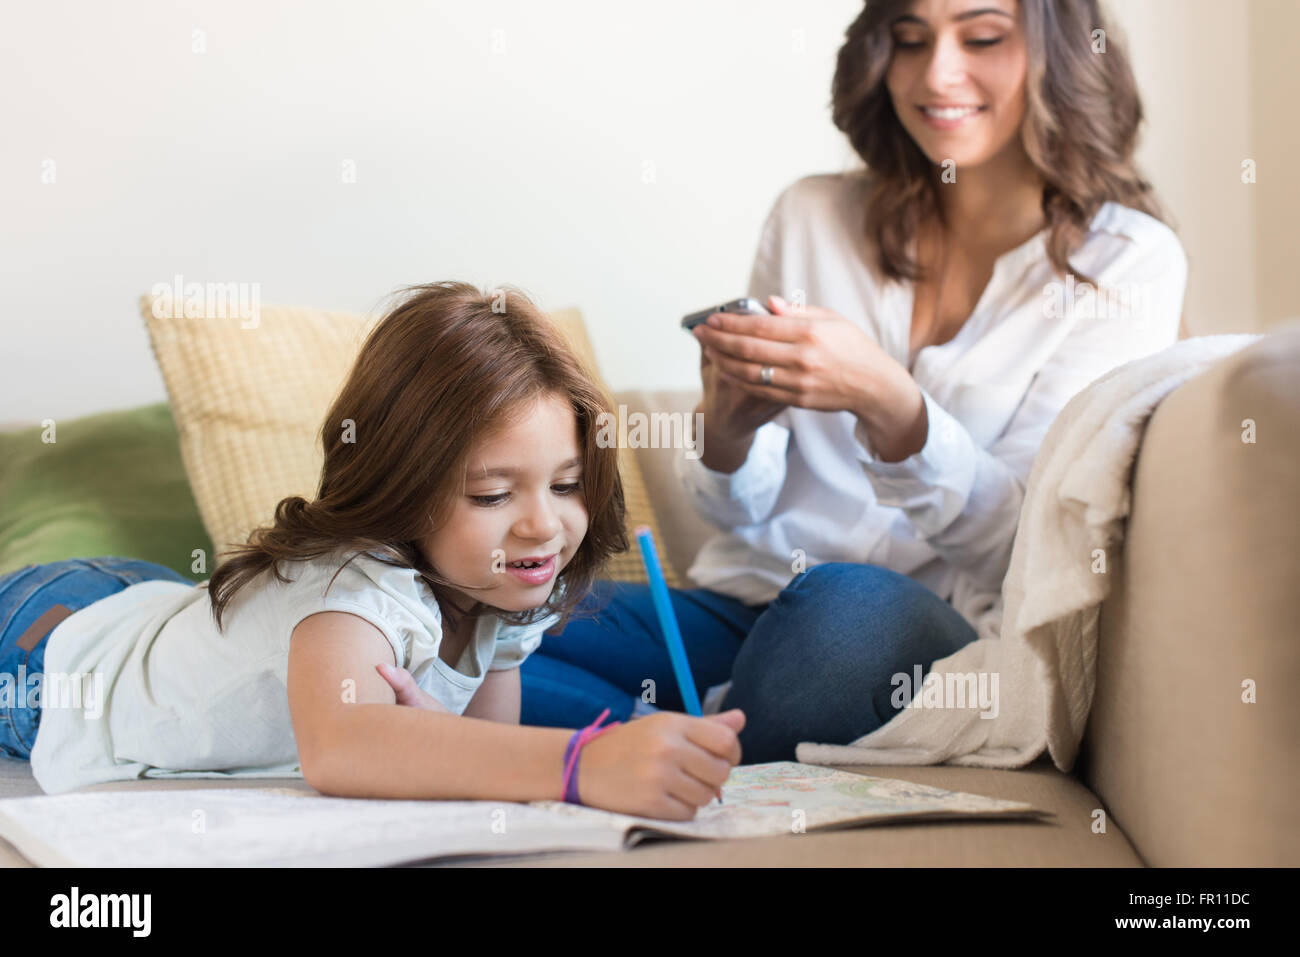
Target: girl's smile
(533, 572)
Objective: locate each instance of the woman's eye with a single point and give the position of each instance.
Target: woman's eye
(905, 44)
(490, 499)
(567, 489)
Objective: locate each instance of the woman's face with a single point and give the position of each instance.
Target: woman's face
(957, 78)
(522, 500)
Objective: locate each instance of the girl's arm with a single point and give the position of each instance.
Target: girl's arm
(354, 740)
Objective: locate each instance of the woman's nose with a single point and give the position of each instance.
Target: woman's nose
(947, 66)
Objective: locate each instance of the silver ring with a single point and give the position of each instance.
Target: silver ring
(765, 374)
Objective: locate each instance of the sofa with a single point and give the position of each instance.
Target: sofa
(1177, 767)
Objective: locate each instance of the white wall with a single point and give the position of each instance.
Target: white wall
(1275, 83)
(494, 142)
(1192, 62)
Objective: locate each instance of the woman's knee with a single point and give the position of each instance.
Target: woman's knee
(851, 625)
(842, 600)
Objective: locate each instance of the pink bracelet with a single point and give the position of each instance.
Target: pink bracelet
(580, 737)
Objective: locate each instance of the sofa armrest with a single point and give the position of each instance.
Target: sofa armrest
(1205, 602)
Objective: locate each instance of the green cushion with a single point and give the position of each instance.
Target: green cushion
(110, 484)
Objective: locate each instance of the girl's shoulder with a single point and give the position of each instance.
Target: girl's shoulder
(357, 576)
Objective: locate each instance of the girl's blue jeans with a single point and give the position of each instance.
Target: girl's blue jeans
(816, 664)
(26, 596)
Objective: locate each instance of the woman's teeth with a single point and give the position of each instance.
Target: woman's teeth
(949, 112)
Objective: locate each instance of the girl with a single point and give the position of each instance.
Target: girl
(464, 507)
(867, 449)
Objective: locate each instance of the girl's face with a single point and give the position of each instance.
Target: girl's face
(957, 78)
(522, 500)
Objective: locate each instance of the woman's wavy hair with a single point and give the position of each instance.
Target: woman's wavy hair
(1080, 127)
(445, 367)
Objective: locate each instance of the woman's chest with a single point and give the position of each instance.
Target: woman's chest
(944, 302)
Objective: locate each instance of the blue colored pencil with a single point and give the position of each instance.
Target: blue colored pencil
(668, 620)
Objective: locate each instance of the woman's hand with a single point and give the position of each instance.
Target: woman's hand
(408, 692)
(819, 361)
(729, 409)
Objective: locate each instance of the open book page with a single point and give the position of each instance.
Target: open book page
(276, 827)
(786, 797)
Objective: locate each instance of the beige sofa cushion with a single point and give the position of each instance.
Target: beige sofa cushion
(249, 402)
(1206, 596)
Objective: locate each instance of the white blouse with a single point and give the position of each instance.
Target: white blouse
(813, 490)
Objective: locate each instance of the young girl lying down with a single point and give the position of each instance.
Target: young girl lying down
(464, 508)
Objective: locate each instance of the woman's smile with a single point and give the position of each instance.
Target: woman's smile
(949, 117)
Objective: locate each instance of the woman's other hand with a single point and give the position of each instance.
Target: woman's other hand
(732, 412)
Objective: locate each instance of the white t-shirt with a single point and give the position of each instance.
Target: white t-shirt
(812, 489)
(180, 699)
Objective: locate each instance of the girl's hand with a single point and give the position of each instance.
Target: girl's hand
(663, 765)
(408, 692)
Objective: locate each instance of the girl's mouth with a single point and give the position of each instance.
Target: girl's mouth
(538, 574)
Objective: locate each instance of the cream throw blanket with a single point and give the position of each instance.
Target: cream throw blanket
(1075, 503)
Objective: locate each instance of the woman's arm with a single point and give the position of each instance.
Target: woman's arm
(747, 493)
(354, 740)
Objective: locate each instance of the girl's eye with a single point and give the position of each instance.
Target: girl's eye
(985, 42)
(490, 500)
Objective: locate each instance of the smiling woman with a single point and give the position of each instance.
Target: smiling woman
(868, 448)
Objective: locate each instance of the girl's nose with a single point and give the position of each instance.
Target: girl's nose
(539, 523)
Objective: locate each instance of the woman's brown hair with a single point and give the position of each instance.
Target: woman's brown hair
(1080, 128)
(445, 367)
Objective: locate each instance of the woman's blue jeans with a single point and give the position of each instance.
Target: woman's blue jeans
(27, 597)
(816, 664)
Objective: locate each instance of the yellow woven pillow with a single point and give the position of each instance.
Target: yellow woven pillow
(249, 402)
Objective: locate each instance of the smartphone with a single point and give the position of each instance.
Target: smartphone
(750, 306)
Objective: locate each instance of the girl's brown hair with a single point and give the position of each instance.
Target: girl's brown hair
(445, 367)
(1080, 128)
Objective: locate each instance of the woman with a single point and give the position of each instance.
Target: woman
(867, 448)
